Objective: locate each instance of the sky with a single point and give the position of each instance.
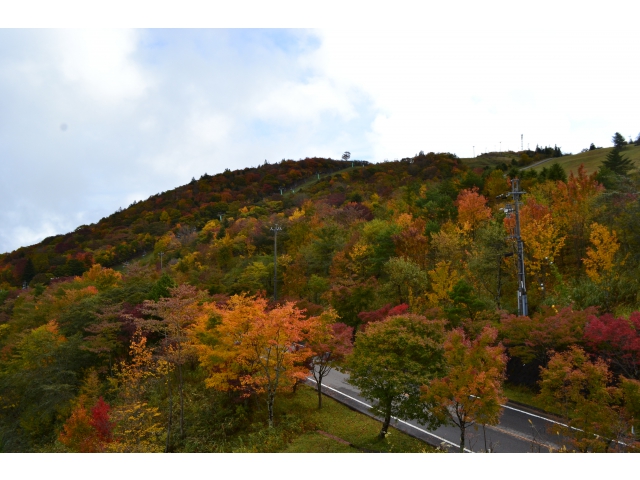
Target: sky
(94, 118)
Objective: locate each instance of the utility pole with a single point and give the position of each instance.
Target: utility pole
(516, 194)
(275, 229)
(161, 255)
(474, 151)
(522, 141)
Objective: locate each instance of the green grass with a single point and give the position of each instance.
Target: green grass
(340, 421)
(591, 159)
(490, 160)
(525, 395)
(313, 179)
(521, 394)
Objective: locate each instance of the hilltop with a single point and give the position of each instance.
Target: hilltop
(591, 159)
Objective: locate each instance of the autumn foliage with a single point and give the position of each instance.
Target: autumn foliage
(259, 350)
(172, 295)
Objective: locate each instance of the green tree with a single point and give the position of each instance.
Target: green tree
(617, 163)
(316, 286)
(391, 359)
(404, 279)
(29, 271)
(556, 172)
(618, 141)
(37, 384)
(466, 304)
(254, 277)
(161, 288)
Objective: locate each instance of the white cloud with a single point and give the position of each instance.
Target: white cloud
(293, 102)
(208, 129)
(147, 110)
(101, 63)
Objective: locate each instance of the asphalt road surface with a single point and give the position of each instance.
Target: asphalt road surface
(520, 430)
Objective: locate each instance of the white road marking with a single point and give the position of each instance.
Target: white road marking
(396, 419)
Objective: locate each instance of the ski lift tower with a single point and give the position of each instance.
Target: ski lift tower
(509, 209)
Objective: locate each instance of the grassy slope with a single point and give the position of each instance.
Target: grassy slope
(591, 159)
(339, 421)
(490, 159)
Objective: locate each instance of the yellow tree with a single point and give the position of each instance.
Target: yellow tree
(574, 207)
(541, 235)
(137, 427)
(443, 279)
(600, 258)
(257, 350)
(449, 245)
(495, 184)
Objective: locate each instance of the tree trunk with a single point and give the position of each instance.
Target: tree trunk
(270, 399)
(319, 387)
(181, 402)
(385, 424)
(462, 429)
(168, 446)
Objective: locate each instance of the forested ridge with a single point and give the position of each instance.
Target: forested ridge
(156, 329)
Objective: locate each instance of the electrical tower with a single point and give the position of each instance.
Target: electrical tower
(275, 229)
(516, 194)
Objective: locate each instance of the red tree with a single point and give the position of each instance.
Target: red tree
(329, 345)
(381, 313)
(617, 340)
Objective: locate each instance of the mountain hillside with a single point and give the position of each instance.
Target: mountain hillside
(158, 320)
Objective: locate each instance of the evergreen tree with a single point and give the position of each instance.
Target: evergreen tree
(556, 172)
(618, 141)
(161, 288)
(617, 163)
(29, 271)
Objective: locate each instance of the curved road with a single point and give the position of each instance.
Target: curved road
(520, 430)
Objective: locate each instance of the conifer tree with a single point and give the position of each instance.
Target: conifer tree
(617, 163)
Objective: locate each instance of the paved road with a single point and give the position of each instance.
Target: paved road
(519, 431)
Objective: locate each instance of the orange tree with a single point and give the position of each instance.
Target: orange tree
(471, 391)
(254, 349)
(597, 414)
(391, 359)
(472, 210)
